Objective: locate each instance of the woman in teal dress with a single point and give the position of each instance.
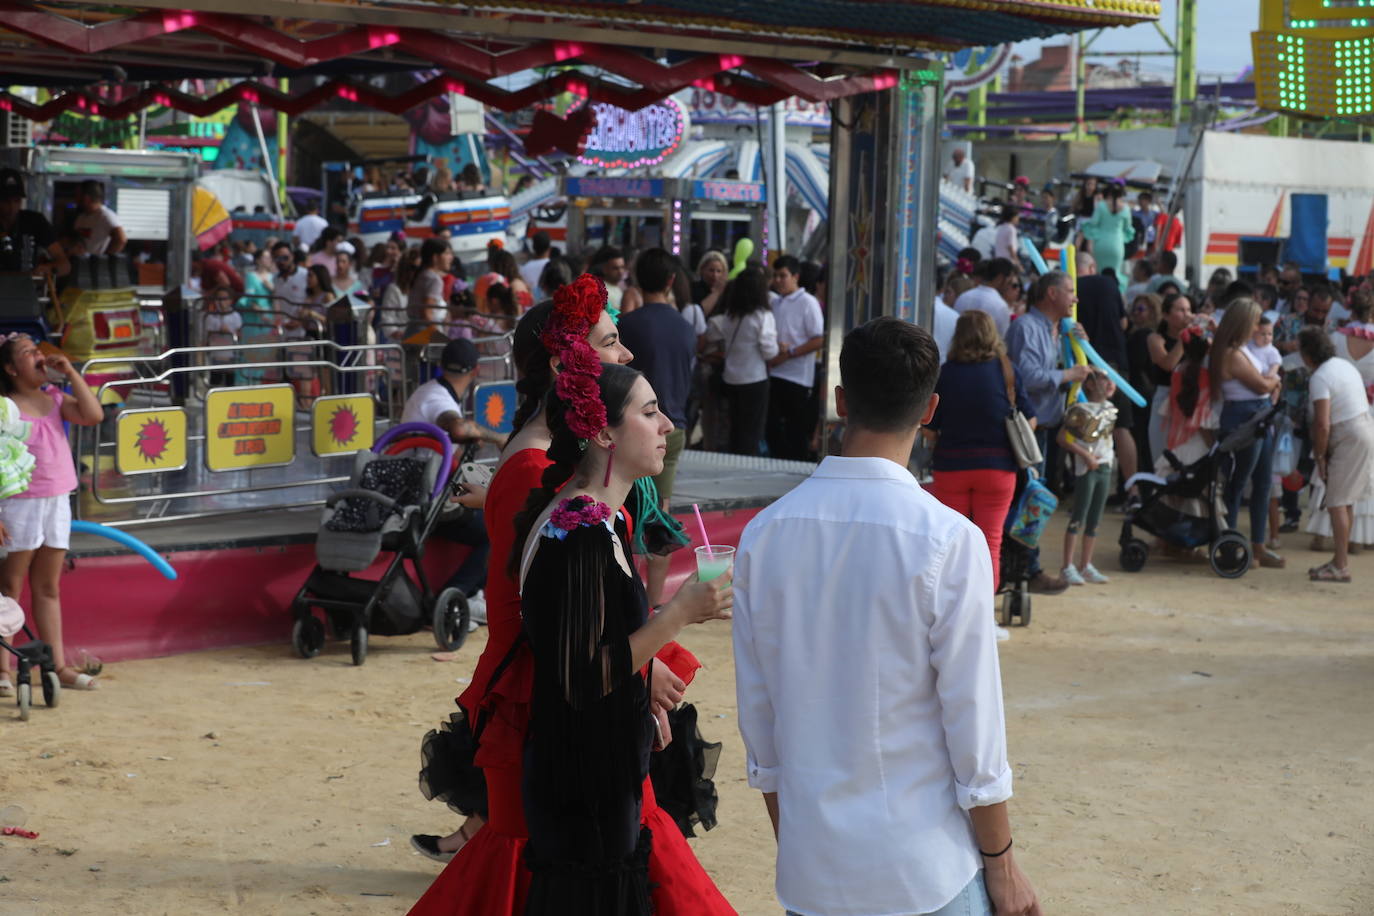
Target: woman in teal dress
(255, 305)
(1109, 230)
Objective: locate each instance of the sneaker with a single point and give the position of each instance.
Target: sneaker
(477, 608)
(428, 845)
(1270, 560)
(1289, 526)
(1071, 576)
(1045, 584)
(1003, 634)
(1093, 577)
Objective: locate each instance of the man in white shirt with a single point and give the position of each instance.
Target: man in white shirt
(792, 373)
(870, 699)
(996, 278)
(534, 267)
(439, 402)
(960, 172)
(98, 225)
(289, 285)
(309, 227)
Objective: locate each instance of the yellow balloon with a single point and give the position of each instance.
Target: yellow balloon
(744, 250)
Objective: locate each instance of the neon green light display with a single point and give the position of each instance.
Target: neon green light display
(1315, 57)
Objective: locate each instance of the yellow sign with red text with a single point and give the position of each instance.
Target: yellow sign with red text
(252, 427)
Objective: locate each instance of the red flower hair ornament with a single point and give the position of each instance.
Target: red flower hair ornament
(576, 308)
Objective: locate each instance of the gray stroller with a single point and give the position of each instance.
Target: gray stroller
(392, 503)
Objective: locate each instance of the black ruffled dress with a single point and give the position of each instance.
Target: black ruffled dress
(591, 731)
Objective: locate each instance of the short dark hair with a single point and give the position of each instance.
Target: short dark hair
(1168, 260)
(1040, 289)
(430, 249)
(1267, 293)
(789, 263)
(654, 270)
(540, 243)
(1145, 195)
(1315, 344)
(1320, 287)
(888, 368)
(992, 269)
(93, 189)
(280, 245)
(604, 255)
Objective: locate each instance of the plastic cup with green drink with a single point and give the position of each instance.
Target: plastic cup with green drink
(714, 562)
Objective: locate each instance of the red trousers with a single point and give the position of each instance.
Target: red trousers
(984, 497)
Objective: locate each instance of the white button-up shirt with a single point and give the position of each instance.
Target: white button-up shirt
(870, 697)
(799, 319)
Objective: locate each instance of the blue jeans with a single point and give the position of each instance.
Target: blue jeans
(971, 901)
(1254, 463)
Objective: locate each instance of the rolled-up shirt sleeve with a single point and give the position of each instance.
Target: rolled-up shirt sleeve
(963, 652)
(751, 689)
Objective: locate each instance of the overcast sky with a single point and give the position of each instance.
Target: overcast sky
(1223, 39)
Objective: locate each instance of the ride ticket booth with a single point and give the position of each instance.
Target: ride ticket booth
(684, 216)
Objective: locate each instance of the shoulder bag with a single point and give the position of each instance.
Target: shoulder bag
(1024, 448)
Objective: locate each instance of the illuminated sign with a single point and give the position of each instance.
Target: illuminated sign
(342, 424)
(1315, 57)
(613, 187)
(150, 441)
(708, 107)
(625, 139)
(252, 427)
(747, 192)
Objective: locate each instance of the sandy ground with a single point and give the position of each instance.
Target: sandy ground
(1182, 745)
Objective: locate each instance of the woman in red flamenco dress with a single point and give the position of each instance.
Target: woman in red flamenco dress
(489, 876)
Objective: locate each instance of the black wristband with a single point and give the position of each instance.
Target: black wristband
(994, 855)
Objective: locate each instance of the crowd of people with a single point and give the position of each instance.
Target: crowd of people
(1209, 362)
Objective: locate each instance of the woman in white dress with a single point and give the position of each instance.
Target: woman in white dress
(1354, 343)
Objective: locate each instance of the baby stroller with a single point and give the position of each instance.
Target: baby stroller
(393, 501)
(1185, 509)
(31, 653)
(1015, 608)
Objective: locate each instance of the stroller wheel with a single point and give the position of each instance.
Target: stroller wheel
(1007, 609)
(1230, 555)
(1016, 606)
(451, 616)
(307, 635)
(25, 690)
(1023, 591)
(1134, 553)
(52, 688)
(358, 644)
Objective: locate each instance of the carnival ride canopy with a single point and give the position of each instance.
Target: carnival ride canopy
(114, 59)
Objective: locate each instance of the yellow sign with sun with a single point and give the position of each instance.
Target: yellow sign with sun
(342, 424)
(150, 441)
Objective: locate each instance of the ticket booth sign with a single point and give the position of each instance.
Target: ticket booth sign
(252, 427)
(150, 441)
(342, 424)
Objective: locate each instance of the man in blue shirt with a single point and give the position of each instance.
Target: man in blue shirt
(1033, 344)
(664, 346)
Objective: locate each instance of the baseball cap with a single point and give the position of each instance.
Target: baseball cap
(12, 185)
(460, 355)
(345, 248)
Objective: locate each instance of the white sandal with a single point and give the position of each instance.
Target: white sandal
(6, 687)
(82, 682)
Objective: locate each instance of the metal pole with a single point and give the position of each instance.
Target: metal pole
(1185, 62)
(1080, 78)
(283, 145)
(777, 121)
(267, 161)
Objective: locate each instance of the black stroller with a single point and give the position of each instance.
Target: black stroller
(1185, 509)
(393, 500)
(34, 654)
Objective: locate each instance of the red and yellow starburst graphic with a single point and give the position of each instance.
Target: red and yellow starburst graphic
(153, 441)
(149, 441)
(494, 412)
(343, 426)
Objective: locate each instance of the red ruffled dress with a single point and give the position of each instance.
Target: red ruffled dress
(489, 877)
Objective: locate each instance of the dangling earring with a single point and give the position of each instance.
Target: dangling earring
(610, 460)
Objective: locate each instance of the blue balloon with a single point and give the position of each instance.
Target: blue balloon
(1035, 256)
(129, 541)
(1093, 357)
